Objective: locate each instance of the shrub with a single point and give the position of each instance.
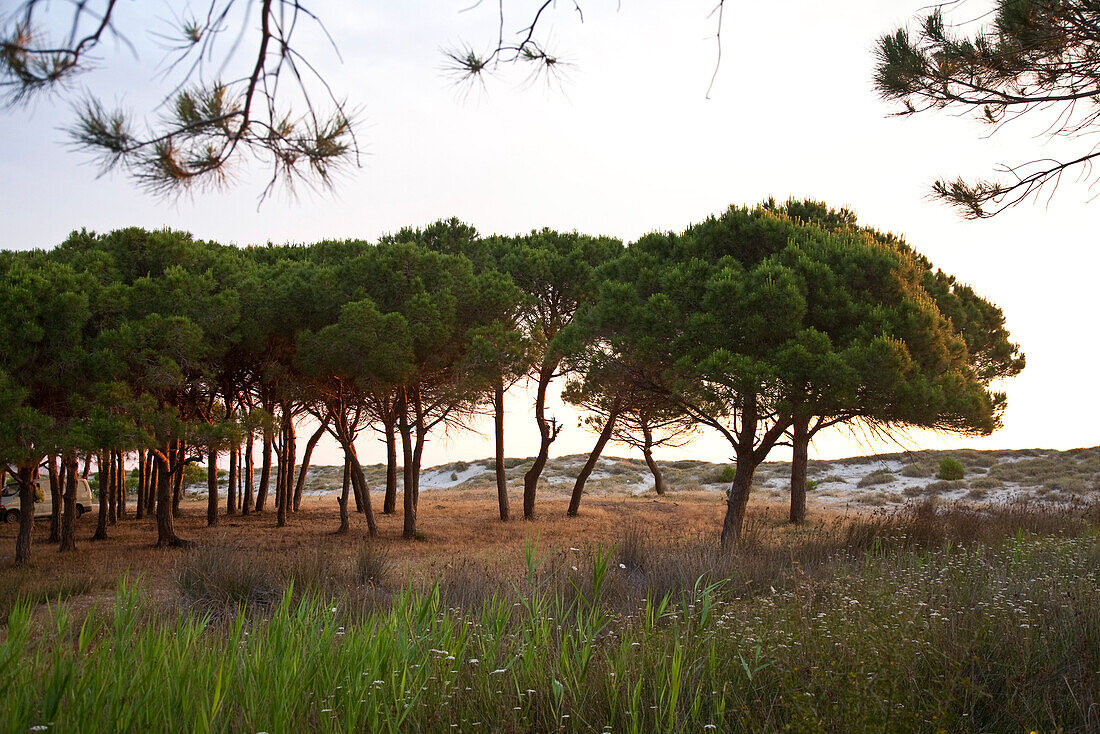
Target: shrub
(373, 564)
(220, 576)
(879, 476)
(725, 474)
(834, 478)
(917, 470)
(986, 483)
(811, 485)
(950, 469)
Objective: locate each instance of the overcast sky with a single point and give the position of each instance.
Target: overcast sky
(627, 144)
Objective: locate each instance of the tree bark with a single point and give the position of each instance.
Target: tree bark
(104, 499)
(590, 464)
(151, 484)
(344, 523)
(498, 433)
(68, 515)
(212, 489)
(389, 504)
(359, 483)
(265, 471)
(177, 481)
(55, 500)
(231, 483)
(408, 492)
(107, 468)
(799, 459)
(738, 500)
(143, 479)
(547, 434)
(300, 486)
(647, 452)
(286, 469)
(169, 476)
(121, 459)
(87, 466)
(27, 486)
(249, 476)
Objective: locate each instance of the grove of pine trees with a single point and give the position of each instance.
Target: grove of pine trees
(767, 325)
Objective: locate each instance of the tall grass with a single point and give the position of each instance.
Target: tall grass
(923, 620)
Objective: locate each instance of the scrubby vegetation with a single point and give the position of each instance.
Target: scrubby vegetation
(919, 619)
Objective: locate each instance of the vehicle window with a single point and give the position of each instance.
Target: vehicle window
(10, 490)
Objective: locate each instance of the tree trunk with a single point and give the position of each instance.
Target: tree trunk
(212, 489)
(265, 471)
(55, 501)
(249, 476)
(799, 459)
(359, 482)
(300, 486)
(177, 487)
(121, 459)
(68, 515)
(547, 433)
(107, 468)
(647, 452)
(231, 483)
(498, 433)
(104, 499)
(169, 477)
(286, 469)
(27, 486)
(143, 479)
(408, 492)
(389, 504)
(586, 470)
(151, 484)
(87, 466)
(343, 500)
(738, 499)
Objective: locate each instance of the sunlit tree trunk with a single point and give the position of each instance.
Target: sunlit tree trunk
(389, 504)
(121, 474)
(344, 523)
(249, 476)
(107, 468)
(300, 485)
(265, 470)
(169, 476)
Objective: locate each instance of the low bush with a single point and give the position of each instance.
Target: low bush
(725, 474)
(879, 476)
(918, 470)
(950, 469)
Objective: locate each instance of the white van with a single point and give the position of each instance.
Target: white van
(9, 499)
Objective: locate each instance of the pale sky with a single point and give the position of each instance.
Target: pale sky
(626, 145)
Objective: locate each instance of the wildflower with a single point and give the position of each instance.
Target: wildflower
(474, 661)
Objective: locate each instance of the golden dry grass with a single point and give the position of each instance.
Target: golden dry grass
(455, 526)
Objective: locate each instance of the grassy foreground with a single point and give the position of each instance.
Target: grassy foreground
(922, 620)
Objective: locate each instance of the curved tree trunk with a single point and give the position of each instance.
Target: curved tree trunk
(593, 457)
(799, 459)
(300, 485)
(27, 486)
(737, 501)
(212, 489)
(69, 468)
(498, 434)
(647, 452)
(55, 500)
(389, 504)
(359, 483)
(104, 492)
(548, 432)
(169, 476)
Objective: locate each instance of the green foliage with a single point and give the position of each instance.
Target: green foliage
(811, 485)
(950, 469)
(725, 474)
